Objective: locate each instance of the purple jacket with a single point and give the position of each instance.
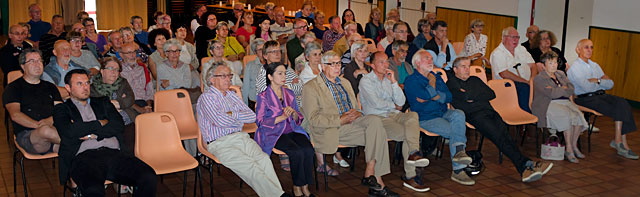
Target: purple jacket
(268, 107)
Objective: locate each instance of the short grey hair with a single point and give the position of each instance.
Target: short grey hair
(308, 37)
(111, 33)
(476, 22)
(416, 57)
(220, 24)
(309, 47)
(458, 60)
(255, 43)
(396, 44)
(212, 69)
(506, 30)
(22, 59)
(210, 48)
(269, 5)
(388, 25)
(423, 22)
(357, 46)
(327, 55)
(171, 42)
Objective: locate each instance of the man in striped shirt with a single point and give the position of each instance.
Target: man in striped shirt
(221, 115)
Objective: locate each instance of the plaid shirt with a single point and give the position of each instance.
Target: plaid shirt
(329, 39)
(339, 94)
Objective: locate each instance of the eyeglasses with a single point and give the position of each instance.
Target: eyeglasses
(217, 48)
(33, 61)
(173, 51)
(400, 32)
(274, 51)
(299, 27)
(127, 52)
(112, 69)
(76, 40)
(333, 64)
(224, 76)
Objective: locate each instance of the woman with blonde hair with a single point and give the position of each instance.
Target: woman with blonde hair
(374, 27)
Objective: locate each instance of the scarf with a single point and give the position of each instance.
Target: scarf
(104, 89)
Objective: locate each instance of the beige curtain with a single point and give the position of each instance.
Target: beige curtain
(71, 9)
(113, 14)
(20, 10)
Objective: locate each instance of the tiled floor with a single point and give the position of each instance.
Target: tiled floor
(602, 173)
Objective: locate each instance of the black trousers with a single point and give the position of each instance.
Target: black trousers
(92, 167)
(612, 106)
(523, 91)
(491, 125)
(301, 154)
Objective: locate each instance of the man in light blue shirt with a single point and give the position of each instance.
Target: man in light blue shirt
(442, 56)
(59, 65)
(380, 95)
(590, 84)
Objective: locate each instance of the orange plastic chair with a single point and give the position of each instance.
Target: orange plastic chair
(27, 155)
(479, 72)
(178, 103)
(202, 148)
(442, 73)
(245, 60)
(11, 76)
(371, 45)
(158, 144)
(458, 46)
(506, 104)
(248, 127)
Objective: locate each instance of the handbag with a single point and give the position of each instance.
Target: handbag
(552, 149)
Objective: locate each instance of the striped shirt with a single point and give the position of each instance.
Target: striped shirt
(213, 114)
(339, 94)
(261, 83)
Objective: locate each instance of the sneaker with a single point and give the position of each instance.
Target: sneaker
(415, 184)
(595, 129)
(382, 192)
(342, 163)
(462, 158)
(417, 160)
(462, 178)
(542, 167)
(529, 175)
(628, 154)
(371, 182)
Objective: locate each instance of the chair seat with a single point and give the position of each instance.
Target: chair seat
(278, 152)
(428, 133)
(518, 117)
(584, 109)
(250, 127)
(33, 156)
(470, 126)
(178, 162)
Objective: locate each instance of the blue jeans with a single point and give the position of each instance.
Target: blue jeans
(452, 126)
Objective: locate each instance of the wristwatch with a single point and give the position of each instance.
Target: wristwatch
(599, 80)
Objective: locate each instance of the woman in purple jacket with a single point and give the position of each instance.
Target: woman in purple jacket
(278, 120)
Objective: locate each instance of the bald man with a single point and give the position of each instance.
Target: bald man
(531, 32)
(431, 17)
(9, 53)
(59, 65)
(590, 84)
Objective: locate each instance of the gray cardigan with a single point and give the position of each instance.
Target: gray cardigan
(546, 90)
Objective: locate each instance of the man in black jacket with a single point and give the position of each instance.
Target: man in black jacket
(472, 95)
(91, 143)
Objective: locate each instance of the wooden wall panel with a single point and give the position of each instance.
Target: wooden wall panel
(458, 22)
(329, 7)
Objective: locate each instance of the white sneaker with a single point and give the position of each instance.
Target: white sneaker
(342, 163)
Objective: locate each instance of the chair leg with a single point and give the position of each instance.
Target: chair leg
(7, 121)
(590, 130)
(315, 172)
(353, 158)
(524, 134)
(326, 173)
(15, 187)
(198, 178)
(184, 184)
(538, 142)
(500, 157)
(119, 188)
(211, 177)
(442, 147)
(480, 143)
(24, 180)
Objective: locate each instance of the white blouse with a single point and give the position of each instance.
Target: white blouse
(473, 45)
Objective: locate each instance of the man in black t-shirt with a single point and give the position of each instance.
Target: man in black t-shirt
(30, 102)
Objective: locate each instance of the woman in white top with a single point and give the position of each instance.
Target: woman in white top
(188, 53)
(386, 41)
(475, 44)
(80, 56)
(312, 67)
(217, 54)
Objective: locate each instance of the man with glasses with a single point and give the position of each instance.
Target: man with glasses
(512, 61)
(330, 106)
(235, 19)
(440, 48)
(401, 68)
(56, 33)
(273, 53)
(38, 26)
(342, 45)
(81, 56)
(138, 77)
(116, 41)
(294, 48)
(400, 32)
(532, 31)
(9, 52)
(59, 66)
(78, 27)
(251, 70)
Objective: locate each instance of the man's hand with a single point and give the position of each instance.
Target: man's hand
(445, 41)
(605, 77)
(432, 80)
(89, 137)
(103, 122)
(230, 113)
(462, 90)
(435, 98)
(93, 71)
(420, 100)
(593, 80)
(295, 80)
(165, 83)
(116, 104)
(391, 76)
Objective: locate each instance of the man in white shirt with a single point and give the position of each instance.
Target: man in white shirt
(511, 60)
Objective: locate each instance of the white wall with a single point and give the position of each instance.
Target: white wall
(524, 18)
(579, 19)
(549, 15)
(618, 14)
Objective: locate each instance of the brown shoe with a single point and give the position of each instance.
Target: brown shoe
(417, 160)
(529, 175)
(542, 167)
(415, 184)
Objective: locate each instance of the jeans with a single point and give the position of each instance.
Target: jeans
(523, 95)
(452, 126)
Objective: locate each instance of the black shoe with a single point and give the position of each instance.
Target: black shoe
(371, 182)
(383, 192)
(285, 195)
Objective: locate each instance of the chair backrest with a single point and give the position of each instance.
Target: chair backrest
(506, 95)
(156, 135)
(178, 103)
(204, 60)
(479, 72)
(457, 46)
(236, 89)
(248, 58)
(440, 71)
(371, 45)
(13, 75)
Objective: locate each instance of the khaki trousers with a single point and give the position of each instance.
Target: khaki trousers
(238, 152)
(406, 128)
(369, 132)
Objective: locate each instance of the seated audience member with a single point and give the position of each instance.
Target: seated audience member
(429, 97)
(11, 50)
(139, 78)
(475, 43)
(221, 115)
(235, 19)
(318, 25)
(424, 33)
(313, 65)
(374, 27)
(108, 83)
(80, 56)
(141, 35)
(295, 46)
(394, 15)
(543, 42)
(115, 43)
(355, 70)
(330, 106)
(78, 27)
(251, 73)
(332, 35)
(532, 31)
(554, 109)
(157, 38)
(243, 34)
(348, 16)
(92, 36)
(380, 95)
(82, 15)
(217, 54)
(269, 9)
(142, 50)
(233, 51)
(306, 12)
(400, 33)
(401, 69)
(262, 31)
(188, 53)
(346, 56)
(173, 73)
(307, 38)
(512, 61)
(471, 95)
(205, 33)
(49, 38)
(156, 17)
(38, 26)
(92, 146)
(196, 22)
(30, 102)
(342, 44)
(590, 82)
(59, 65)
(439, 47)
(385, 41)
(431, 17)
(164, 22)
(272, 53)
(278, 118)
(282, 30)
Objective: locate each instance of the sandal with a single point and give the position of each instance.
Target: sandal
(330, 172)
(285, 166)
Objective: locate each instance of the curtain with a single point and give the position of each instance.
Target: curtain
(70, 10)
(20, 10)
(113, 14)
